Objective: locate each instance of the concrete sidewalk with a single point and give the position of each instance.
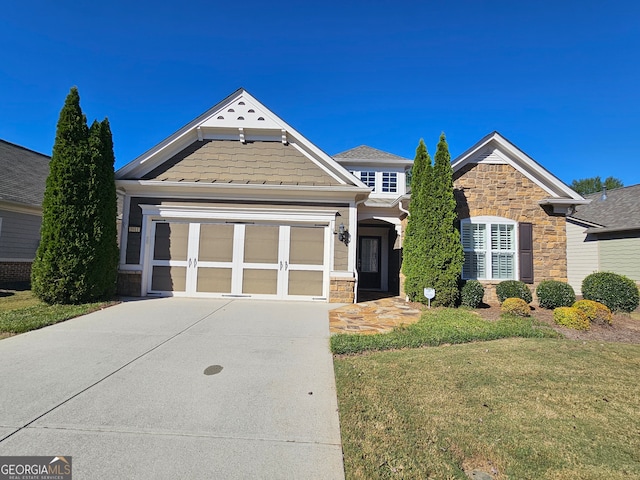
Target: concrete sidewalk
(124, 391)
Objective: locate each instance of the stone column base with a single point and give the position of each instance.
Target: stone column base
(342, 290)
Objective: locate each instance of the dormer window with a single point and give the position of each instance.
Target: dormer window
(389, 182)
(369, 179)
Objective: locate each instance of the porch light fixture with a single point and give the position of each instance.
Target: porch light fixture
(343, 234)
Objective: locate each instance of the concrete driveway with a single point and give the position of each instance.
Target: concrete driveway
(124, 391)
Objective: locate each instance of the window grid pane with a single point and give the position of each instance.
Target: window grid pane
(502, 266)
(389, 182)
(474, 265)
(368, 178)
(502, 237)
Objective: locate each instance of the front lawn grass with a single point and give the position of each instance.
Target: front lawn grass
(21, 312)
(440, 326)
(513, 408)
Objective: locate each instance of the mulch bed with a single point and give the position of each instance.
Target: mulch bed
(624, 329)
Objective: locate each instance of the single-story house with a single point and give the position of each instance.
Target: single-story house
(605, 236)
(22, 184)
(237, 203)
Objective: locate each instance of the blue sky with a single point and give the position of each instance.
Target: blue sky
(559, 79)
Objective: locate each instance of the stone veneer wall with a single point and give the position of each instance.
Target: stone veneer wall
(15, 272)
(341, 290)
(502, 191)
(129, 283)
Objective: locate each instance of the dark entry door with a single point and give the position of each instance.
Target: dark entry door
(369, 262)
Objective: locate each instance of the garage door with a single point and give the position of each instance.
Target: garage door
(239, 260)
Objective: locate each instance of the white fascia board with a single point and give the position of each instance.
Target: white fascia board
(240, 191)
(396, 165)
(521, 162)
(235, 215)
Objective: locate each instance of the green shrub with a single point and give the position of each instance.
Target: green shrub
(513, 289)
(472, 293)
(553, 294)
(515, 306)
(595, 311)
(571, 317)
(617, 292)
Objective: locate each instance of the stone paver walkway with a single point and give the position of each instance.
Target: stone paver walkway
(378, 316)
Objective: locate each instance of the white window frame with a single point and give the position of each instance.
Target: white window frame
(396, 177)
(391, 179)
(366, 176)
(489, 222)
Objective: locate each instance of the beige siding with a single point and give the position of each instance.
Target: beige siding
(582, 255)
(621, 255)
(227, 161)
(19, 235)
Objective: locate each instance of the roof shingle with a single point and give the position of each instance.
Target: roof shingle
(620, 209)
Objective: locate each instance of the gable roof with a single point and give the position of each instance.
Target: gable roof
(24, 174)
(371, 156)
(241, 118)
(619, 211)
(496, 149)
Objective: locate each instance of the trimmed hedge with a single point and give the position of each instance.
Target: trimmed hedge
(571, 317)
(472, 294)
(617, 292)
(553, 294)
(513, 289)
(516, 306)
(595, 311)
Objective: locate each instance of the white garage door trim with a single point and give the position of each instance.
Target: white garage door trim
(285, 219)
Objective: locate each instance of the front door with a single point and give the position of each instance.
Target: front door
(369, 256)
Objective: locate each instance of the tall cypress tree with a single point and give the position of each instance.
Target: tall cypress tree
(415, 248)
(67, 265)
(103, 204)
(444, 263)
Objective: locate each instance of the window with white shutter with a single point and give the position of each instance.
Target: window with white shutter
(489, 245)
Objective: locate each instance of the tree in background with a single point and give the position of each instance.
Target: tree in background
(75, 259)
(414, 249)
(432, 251)
(586, 186)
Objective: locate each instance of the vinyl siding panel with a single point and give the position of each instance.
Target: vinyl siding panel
(19, 235)
(582, 255)
(621, 255)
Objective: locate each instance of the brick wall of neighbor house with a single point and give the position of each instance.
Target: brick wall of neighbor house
(15, 272)
(129, 283)
(341, 290)
(501, 190)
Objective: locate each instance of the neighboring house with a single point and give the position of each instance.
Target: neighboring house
(22, 182)
(605, 236)
(239, 204)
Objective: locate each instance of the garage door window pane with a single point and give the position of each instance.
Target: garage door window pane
(216, 243)
(307, 246)
(261, 244)
(169, 279)
(214, 280)
(256, 281)
(305, 283)
(171, 241)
